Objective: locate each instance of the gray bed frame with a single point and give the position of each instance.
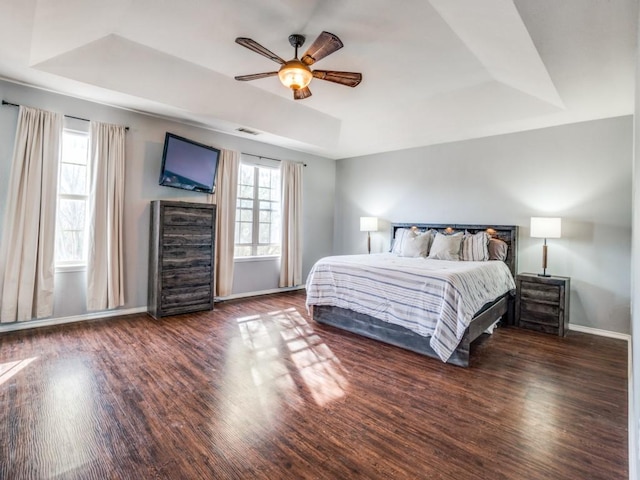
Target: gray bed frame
(368, 326)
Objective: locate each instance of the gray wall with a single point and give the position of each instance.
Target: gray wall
(144, 151)
(580, 172)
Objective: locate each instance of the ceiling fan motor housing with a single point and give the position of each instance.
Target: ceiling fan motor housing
(296, 40)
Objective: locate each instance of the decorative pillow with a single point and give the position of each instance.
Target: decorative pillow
(474, 247)
(446, 247)
(417, 246)
(497, 249)
(401, 235)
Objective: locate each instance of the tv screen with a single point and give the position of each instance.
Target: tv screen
(188, 165)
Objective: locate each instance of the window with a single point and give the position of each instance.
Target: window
(258, 211)
(73, 195)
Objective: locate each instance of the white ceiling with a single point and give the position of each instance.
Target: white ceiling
(433, 71)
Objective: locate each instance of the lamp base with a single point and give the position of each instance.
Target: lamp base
(544, 275)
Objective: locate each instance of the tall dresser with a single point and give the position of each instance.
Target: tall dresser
(181, 257)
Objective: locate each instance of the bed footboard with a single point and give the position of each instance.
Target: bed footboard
(370, 327)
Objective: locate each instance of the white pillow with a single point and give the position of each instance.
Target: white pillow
(401, 235)
(446, 247)
(417, 246)
(474, 247)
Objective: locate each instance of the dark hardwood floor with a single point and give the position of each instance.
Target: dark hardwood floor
(255, 389)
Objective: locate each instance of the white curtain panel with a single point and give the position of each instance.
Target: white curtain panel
(27, 263)
(225, 199)
(105, 273)
(291, 259)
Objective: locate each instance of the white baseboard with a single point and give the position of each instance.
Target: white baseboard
(48, 322)
(235, 296)
(599, 332)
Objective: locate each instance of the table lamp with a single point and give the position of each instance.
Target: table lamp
(369, 224)
(545, 227)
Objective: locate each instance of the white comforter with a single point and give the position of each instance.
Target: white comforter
(435, 298)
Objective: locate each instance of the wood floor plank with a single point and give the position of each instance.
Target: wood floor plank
(256, 389)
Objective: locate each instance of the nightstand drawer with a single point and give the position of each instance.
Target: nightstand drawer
(536, 292)
(545, 312)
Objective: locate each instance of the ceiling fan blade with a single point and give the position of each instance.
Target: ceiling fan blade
(350, 79)
(301, 93)
(256, 47)
(324, 45)
(255, 76)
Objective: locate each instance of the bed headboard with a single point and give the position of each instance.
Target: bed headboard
(506, 233)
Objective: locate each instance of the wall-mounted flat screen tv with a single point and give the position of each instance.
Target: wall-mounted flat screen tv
(188, 165)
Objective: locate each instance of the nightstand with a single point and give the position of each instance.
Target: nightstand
(542, 303)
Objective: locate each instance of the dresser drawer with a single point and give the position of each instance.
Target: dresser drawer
(175, 297)
(188, 216)
(183, 256)
(186, 277)
(181, 235)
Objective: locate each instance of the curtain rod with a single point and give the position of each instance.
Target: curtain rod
(4, 102)
(268, 158)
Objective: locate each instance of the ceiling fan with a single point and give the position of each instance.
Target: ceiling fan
(296, 74)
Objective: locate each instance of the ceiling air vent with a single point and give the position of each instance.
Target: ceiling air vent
(247, 131)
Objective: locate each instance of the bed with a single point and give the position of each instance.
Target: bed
(385, 297)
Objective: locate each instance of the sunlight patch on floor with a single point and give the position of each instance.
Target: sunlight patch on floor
(9, 369)
(320, 370)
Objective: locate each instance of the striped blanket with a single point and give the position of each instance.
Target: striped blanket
(435, 298)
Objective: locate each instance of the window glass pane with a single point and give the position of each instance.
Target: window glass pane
(246, 233)
(71, 214)
(70, 246)
(242, 251)
(75, 147)
(246, 215)
(264, 193)
(245, 204)
(70, 230)
(265, 177)
(275, 227)
(265, 216)
(246, 175)
(268, 250)
(73, 179)
(269, 206)
(265, 233)
(246, 192)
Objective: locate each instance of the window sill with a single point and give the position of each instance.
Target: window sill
(261, 258)
(71, 268)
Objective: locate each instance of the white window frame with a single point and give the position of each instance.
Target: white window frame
(75, 265)
(266, 164)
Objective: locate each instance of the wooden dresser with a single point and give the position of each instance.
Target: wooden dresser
(181, 257)
(542, 303)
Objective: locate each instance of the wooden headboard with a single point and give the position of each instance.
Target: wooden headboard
(506, 233)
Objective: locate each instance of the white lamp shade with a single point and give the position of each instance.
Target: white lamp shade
(546, 227)
(368, 224)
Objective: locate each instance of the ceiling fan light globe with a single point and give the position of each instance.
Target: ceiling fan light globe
(295, 75)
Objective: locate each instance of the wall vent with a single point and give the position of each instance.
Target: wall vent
(247, 131)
